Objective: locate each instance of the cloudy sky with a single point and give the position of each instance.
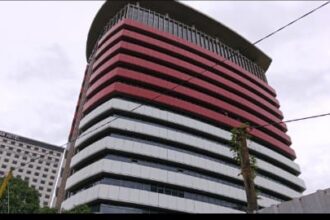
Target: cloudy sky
(42, 53)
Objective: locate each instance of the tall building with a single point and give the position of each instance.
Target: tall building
(152, 125)
(36, 162)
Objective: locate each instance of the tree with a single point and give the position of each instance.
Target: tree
(22, 198)
(247, 164)
(47, 210)
(80, 209)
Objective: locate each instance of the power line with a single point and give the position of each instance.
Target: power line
(192, 77)
(292, 22)
(292, 120)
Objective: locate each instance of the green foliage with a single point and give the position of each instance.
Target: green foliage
(47, 210)
(236, 147)
(22, 198)
(80, 209)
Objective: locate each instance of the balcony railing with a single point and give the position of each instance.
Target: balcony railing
(189, 33)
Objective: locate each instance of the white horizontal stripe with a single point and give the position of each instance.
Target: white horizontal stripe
(178, 157)
(182, 120)
(164, 176)
(142, 197)
(184, 138)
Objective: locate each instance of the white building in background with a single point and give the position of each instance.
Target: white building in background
(19, 152)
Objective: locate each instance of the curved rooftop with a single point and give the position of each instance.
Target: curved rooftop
(184, 14)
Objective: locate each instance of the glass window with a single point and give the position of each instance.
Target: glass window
(217, 48)
(161, 23)
(160, 190)
(135, 14)
(175, 29)
(145, 17)
(153, 188)
(156, 21)
(207, 44)
(180, 30)
(167, 191)
(140, 17)
(211, 45)
(184, 33)
(193, 37)
(166, 26)
(150, 19)
(225, 52)
(170, 27)
(129, 12)
(189, 35)
(202, 41)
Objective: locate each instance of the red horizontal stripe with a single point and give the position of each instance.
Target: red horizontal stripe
(206, 53)
(207, 74)
(163, 84)
(183, 105)
(187, 65)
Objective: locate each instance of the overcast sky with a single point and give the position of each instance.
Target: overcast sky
(42, 53)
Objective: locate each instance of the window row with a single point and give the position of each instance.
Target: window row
(174, 168)
(35, 148)
(163, 189)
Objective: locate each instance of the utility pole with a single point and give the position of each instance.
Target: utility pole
(239, 141)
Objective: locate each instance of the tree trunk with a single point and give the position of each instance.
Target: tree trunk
(251, 196)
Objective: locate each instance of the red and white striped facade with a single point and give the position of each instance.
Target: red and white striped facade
(174, 104)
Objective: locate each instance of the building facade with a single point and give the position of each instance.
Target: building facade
(36, 162)
(163, 87)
